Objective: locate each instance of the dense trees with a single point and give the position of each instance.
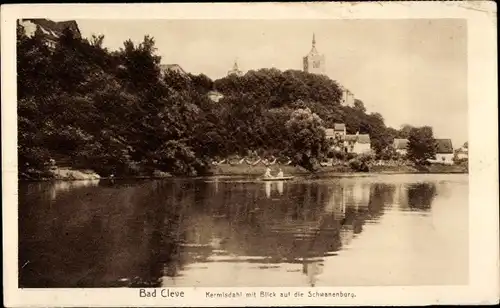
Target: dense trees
(116, 112)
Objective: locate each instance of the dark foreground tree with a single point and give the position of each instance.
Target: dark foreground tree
(308, 143)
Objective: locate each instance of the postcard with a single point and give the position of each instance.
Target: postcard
(250, 154)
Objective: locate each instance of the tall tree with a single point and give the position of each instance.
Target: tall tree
(422, 145)
(359, 105)
(307, 134)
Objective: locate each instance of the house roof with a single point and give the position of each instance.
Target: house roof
(53, 29)
(361, 138)
(401, 144)
(212, 92)
(329, 132)
(339, 126)
(444, 146)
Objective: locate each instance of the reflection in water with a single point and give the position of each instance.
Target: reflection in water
(421, 195)
(210, 233)
(269, 186)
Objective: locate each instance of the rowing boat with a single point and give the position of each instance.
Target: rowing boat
(282, 178)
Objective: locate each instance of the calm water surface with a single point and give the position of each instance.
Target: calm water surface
(216, 232)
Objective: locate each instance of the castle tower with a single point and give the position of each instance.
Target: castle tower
(314, 62)
(235, 71)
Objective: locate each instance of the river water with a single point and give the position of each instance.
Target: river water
(378, 230)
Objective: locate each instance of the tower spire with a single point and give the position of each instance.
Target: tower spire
(314, 40)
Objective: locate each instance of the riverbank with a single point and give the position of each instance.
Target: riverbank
(68, 174)
(339, 169)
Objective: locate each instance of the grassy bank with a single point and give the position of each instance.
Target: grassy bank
(293, 170)
(68, 174)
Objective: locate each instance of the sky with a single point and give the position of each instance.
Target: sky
(412, 71)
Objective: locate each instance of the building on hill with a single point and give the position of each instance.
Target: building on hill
(347, 97)
(48, 29)
(176, 68)
(215, 96)
(401, 146)
(314, 62)
(444, 152)
(235, 70)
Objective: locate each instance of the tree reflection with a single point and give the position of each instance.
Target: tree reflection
(136, 235)
(421, 196)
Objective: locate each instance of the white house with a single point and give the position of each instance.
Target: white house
(444, 152)
(401, 146)
(358, 143)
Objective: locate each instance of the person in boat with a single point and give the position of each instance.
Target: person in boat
(280, 174)
(268, 173)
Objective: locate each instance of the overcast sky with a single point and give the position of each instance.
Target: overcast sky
(410, 71)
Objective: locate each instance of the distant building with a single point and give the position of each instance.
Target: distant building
(401, 146)
(176, 68)
(215, 96)
(314, 62)
(329, 133)
(50, 30)
(337, 130)
(347, 97)
(358, 143)
(462, 153)
(444, 152)
(235, 71)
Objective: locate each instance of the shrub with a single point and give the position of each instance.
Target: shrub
(366, 158)
(358, 165)
(350, 156)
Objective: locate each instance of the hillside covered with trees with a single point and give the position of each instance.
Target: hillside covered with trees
(115, 112)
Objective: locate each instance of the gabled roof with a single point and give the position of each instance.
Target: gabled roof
(401, 144)
(444, 146)
(339, 126)
(329, 132)
(361, 138)
(53, 29)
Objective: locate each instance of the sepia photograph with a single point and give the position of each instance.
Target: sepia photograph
(157, 155)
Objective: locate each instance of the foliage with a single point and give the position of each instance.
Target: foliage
(358, 165)
(308, 143)
(422, 145)
(116, 112)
